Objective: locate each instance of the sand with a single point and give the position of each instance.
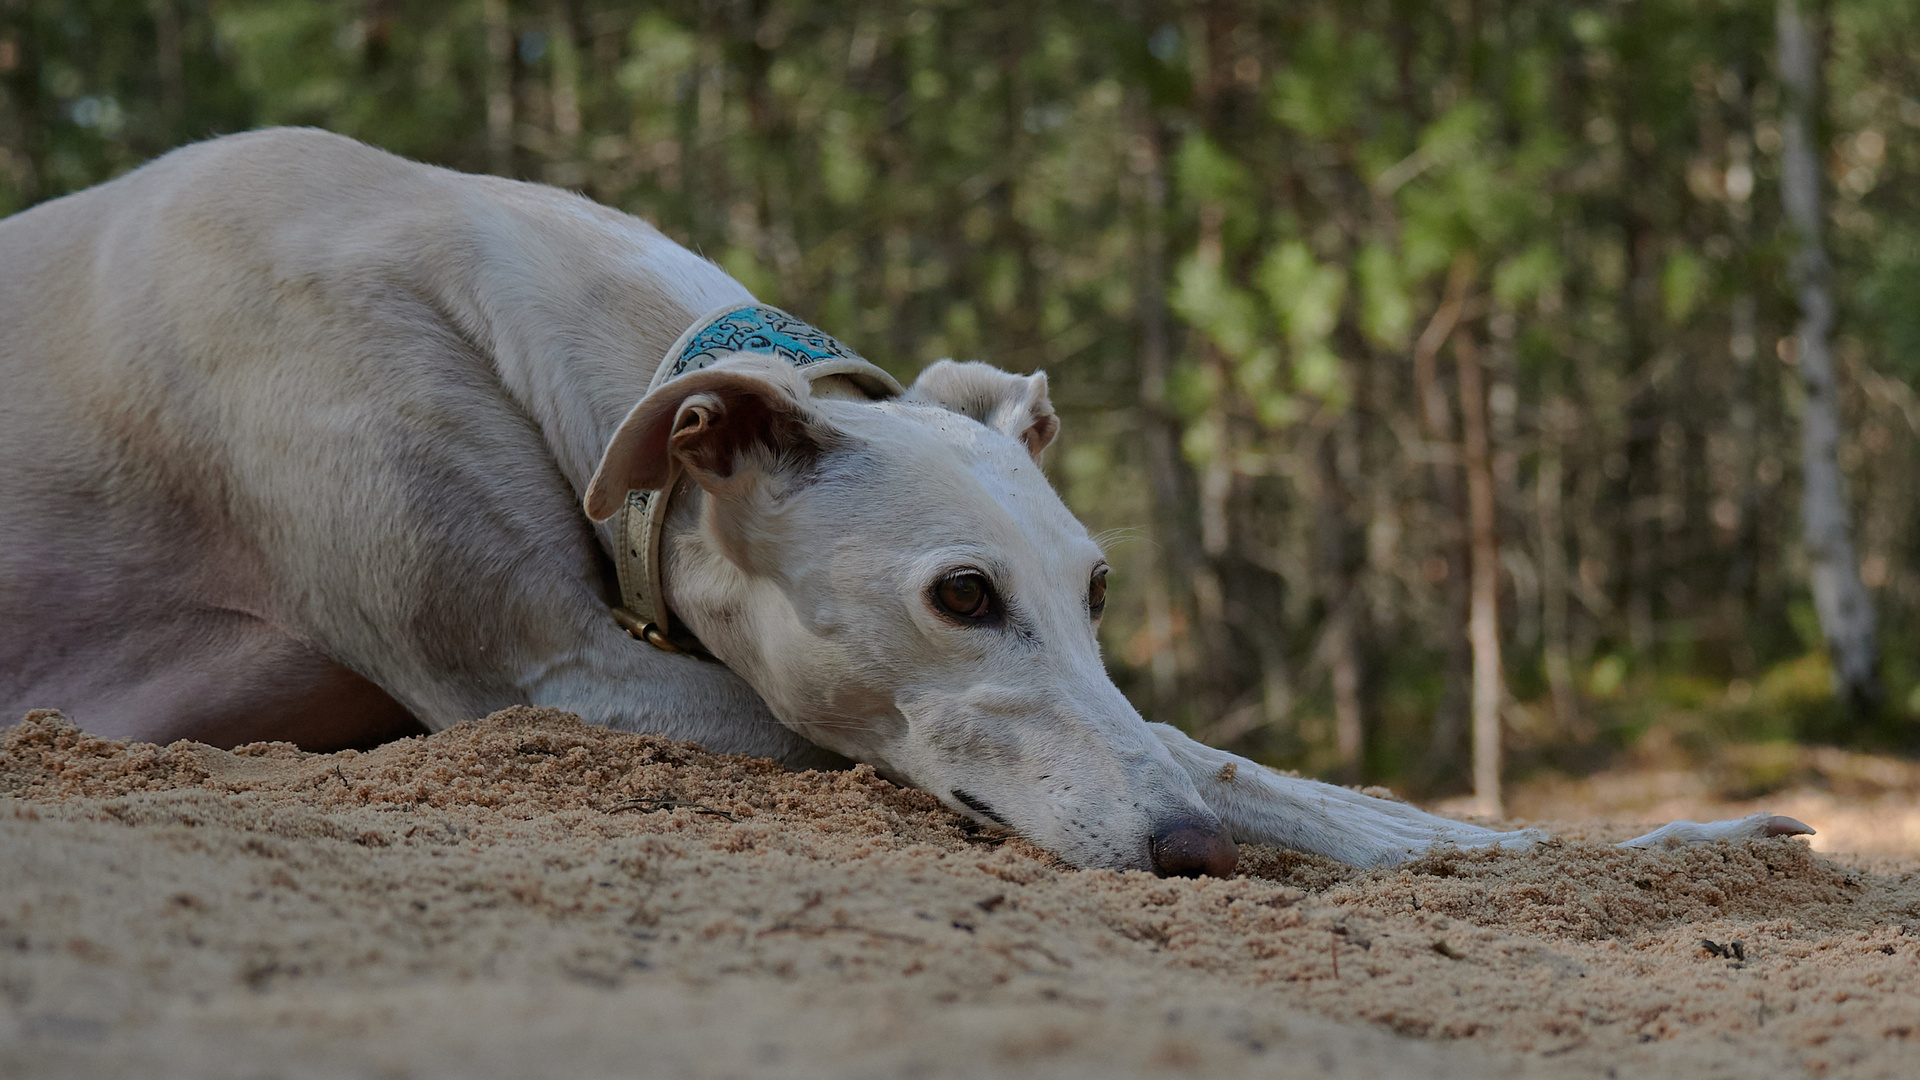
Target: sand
(528, 896)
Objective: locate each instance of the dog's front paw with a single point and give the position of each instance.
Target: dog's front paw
(1751, 827)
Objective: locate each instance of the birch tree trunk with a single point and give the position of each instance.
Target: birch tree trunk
(1846, 612)
(1483, 619)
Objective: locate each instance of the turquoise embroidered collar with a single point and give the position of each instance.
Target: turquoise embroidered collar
(728, 331)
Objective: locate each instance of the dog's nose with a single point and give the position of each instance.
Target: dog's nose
(1192, 848)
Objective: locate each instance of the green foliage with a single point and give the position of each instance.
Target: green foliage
(1890, 295)
(1207, 174)
(1386, 307)
(1527, 275)
(1327, 86)
(1229, 315)
(1682, 283)
(1305, 294)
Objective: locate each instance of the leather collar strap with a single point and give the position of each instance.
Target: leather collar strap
(724, 332)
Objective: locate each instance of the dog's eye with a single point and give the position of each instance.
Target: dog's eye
(1097, 594)
(965, 595)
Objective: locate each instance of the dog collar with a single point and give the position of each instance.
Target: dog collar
(637, 525)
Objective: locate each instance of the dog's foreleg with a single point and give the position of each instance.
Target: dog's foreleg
(1260, 806)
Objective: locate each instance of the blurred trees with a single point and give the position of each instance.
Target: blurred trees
(1371, 321)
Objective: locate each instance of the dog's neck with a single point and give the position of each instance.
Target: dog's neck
(731, 330)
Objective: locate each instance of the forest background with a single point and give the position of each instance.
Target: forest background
(1336, 299)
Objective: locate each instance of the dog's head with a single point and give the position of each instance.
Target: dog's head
(901, 584)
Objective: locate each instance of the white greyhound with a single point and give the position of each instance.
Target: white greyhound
(294, 440)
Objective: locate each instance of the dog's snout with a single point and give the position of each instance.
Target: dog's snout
(1192, 848)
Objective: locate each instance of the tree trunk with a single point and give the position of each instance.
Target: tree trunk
(1483, 619)
(499, 86)
(1215, 666)
(1443, 753)
(1556, 422)
(1343, 671)
(1742, 568)
(1171, 558)
(23, 121)
(167, 61)
(1846, 612)
(1339, 642)
(565, 90)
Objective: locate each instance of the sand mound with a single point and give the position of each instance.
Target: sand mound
(527, 895)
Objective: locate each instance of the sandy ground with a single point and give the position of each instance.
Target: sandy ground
(526, 896)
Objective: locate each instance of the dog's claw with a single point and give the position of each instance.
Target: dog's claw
(1781, 825)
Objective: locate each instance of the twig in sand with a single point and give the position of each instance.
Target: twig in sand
(816, 931)
(649, 806)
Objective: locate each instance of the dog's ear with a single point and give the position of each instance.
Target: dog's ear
(1014, 405)
(706, 422)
